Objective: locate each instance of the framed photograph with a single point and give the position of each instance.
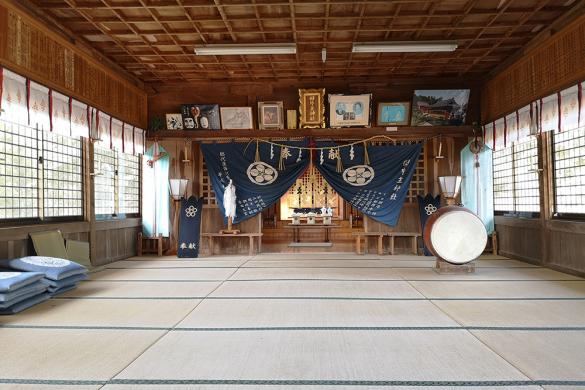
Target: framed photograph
(349, 110)
(174, 122)
(393, 114)
(439, 107)
(312, 108)
(270, 115)
(236, 118)
(200, 116)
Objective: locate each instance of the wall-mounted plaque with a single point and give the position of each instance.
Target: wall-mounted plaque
(291, 119)
(312, 108)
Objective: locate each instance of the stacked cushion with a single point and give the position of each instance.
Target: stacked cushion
(20, 290)
(60, 275)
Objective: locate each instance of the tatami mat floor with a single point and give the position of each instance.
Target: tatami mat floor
(302, 321)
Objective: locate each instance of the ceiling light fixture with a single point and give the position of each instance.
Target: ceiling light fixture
(243, 49)
(404, 47)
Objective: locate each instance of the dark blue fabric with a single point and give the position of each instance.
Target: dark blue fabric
(190, 227)
(427, 206)
(256, 189)
(381, 194)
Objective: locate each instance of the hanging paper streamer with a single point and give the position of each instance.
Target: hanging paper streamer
(377, 189)
(427, 206)
(190, 227)
(258, 183)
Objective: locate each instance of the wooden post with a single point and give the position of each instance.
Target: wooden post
(358, 242)
(380, 244)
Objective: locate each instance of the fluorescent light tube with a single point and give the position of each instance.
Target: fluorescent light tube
(244, 49)
(404, 47)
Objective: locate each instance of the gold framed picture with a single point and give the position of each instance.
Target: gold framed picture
(349, 110)
(312, 108)
(393, 114)
(270, 115)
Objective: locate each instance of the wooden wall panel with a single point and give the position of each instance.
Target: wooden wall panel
(556, 63)
(33, 50)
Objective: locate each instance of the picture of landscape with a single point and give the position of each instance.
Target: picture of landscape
(439, 107)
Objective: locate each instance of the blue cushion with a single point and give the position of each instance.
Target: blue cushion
(11, 280)
(36, 287)
(23, 305)
(52, 267)
(54, 285)
(16, 300)
(62, 290)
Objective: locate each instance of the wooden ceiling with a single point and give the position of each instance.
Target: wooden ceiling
(154, 39)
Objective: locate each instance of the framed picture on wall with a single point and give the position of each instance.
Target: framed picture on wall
(236, 118)
(393, 114)
(200, 116)
(270, 115)
(349, 110)
(174, 121)
(312, 108)
(439, 107)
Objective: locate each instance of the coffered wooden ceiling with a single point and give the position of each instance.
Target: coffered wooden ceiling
(154, 39)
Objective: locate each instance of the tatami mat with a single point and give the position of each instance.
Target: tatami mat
(541, 354)
(501, 289)
(433, 386)
(317, 288)
(316, 273)
(487, 274)
(328, 355)
(314, 313)
(70, 354)
(137, 289)
(104, 312)
(211, 274)
(176, 264)
(533, 313)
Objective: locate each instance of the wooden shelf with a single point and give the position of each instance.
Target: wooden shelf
(402, 132)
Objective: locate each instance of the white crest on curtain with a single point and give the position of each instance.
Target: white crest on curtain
(103, 130)
(500, 136)
(549, 112)
(128, 138)
(524, 123)
(79, 119)
(39, 107)
(60, 114)
(570, 108)
(14, 98)
(511, 129)
(489, 135)
(117, 140)
(138, 141)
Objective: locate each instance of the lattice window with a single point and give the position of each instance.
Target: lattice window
(129, 184)
(19, 172)
(516, 181)
(569, 172)
(417, 184)
(205, 187)
(62, 176)
(105, 181)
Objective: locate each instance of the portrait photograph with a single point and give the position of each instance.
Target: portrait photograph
(270, 115)
(349, 110)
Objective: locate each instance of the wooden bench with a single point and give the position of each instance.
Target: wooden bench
(149, 245)
(366, 235)
(413, 235)
(251, 236)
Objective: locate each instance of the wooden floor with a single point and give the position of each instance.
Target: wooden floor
(302, 321)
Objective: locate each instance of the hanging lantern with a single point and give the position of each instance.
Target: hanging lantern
(178, 188)
(450, 187)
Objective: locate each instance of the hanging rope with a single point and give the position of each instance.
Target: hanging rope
(257, 156)
(339, 163)
(366, 155)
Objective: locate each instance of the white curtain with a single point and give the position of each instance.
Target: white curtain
(128, 138)
(500, 135)
(60, 115)
(549, 113)
(524, 123)
(511, 129)
(38, 105)
(570, 108)
(117, 140)
(14, 98)
(103, 130)
(138, 141)
(489, 135)
(79, 119)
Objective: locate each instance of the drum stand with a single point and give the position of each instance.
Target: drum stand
(446, 268)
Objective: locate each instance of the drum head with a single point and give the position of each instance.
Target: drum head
(458, 236)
